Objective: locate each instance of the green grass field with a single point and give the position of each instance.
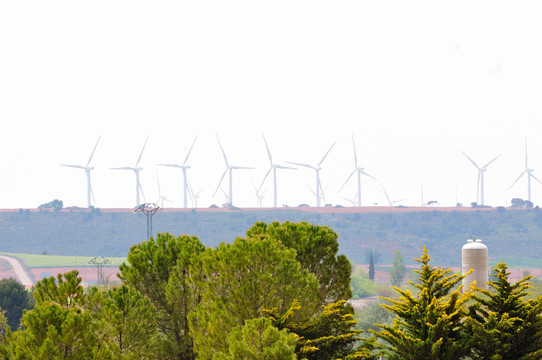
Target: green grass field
(38, 261)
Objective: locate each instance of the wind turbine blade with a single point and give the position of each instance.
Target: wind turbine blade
(171, 165)
(158, 181)
(472, 161)
(190, 191)
(285, 167)
(299, 164)
(220, 182)
(355, 154)
(526, 166)
(519, 177)
(321, 161)
(92, 194)
(142, 193)
(242, 168)
(364, 173)
(265, 177)
(478, 185)
(385, 193)
(322, 191)
(92, 154)
(189, 151)
(534, 177)
(486, 165)
(353, 172)
(353, 202)
(223, 153)
(122, 168)
(268, 152)
(73, 166)
(141, 153)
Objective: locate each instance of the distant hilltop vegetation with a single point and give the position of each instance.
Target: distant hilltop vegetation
(511, 234)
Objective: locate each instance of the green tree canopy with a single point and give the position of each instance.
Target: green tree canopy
(14, 298)
(502, 323)
(427, 326)
(54, 204)
(52, 331)
(66, 290)
(398, 270)
(241, 280)
(316, 249)
(328, 335)
(127, 319)
(371, 267)
(62, 325)
(160, 269)
(258, 339)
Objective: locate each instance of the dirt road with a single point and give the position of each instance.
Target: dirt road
(19, 271)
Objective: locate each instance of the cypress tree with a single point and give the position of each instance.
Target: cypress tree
(427, 326)
(371, 267)
(502, 323)
(398, 270)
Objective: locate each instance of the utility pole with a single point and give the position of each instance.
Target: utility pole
(99, 262)
(149, 209)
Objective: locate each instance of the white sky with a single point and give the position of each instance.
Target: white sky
(415, 82)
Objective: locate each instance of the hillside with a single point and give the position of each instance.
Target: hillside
(512, 235)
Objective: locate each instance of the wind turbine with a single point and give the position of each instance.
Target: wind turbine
(273, 168)
(194, 197)
(259, 195)
(480, 183)
(229, 169)
(529, 173)
(87, 169)
(317, 169)
(359, 171)
(183, 167)
(136, 170)
(353, 201)
(322, 192)
(161, 198)
(390, 203)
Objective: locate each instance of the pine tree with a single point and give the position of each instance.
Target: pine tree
(316, 249)
(502, 324)
(427, 326)
(258, 339)
(160, 269)
(242, 279)
(371, 267)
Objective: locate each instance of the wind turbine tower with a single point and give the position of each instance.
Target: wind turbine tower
(136, 171)
(529, 173)
(316, 169)
(229, 170)
(273, 168)
(480, 183)
(359, 171)
(87, 169)
(194, 196)
(183, 167)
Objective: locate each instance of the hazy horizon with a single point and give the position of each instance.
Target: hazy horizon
(415, 83)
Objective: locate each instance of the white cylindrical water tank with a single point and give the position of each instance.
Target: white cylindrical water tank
(474, 256)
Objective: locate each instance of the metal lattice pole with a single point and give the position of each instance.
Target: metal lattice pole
(99, 262)
(149, 209)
